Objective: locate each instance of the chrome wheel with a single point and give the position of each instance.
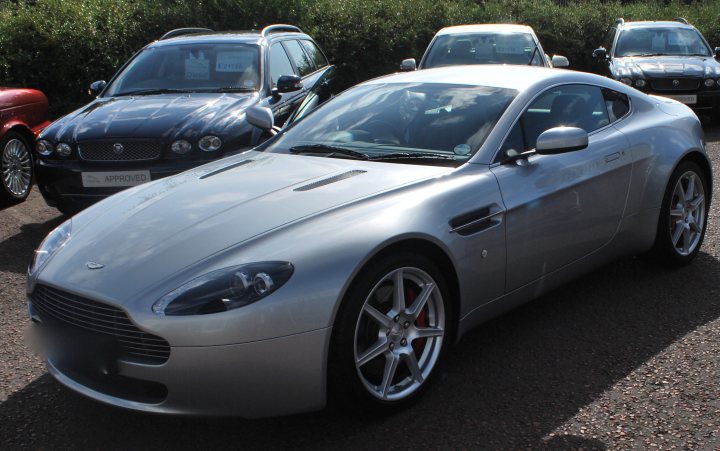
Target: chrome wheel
(16, 168)
(687, 213)
(399, 333)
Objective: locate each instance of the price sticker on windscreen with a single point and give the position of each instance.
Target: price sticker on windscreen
(232, 61)
(197, 68)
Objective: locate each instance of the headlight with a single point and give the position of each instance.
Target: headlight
(709, 82)
(640, 83)
(181, 147)
(225, 289)
(44, 148)
(627, 81)
(209, 143)
(63, 149)
(54, 241)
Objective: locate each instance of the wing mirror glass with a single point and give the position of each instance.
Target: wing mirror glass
(96, 87)
(261, 117)
(600, 53)
(408, 65)
(560, 140)
(289, 83)
(560, 61)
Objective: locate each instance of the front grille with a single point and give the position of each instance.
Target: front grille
(683, 84)
(120, 150)
(96, 317)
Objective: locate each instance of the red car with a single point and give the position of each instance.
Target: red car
(23, 114)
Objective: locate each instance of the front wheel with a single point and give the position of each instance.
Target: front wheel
(390, 334)
(16, 169)
(683, 216)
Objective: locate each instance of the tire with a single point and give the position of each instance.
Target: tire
(384, 352)
(683, 216)
(16, 169)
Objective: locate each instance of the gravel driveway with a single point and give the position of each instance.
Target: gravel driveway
(627, 357)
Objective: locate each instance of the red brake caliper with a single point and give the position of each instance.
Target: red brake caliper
(421, 321)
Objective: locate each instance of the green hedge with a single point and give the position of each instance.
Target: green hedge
(61, 46)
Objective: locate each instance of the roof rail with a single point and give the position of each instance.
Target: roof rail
(682, 20)
(183, 31)
(279, 27)
(619, 20)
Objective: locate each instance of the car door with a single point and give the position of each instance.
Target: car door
(561, 207)
(279, 64)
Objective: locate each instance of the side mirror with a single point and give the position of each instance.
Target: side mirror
(599, 53)
(560, 140)
(408, 65)
(560, 61)
(717, 52)
(261, 117)
(289, 83)
(96, 87)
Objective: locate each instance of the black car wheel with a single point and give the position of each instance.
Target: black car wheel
(16, 171)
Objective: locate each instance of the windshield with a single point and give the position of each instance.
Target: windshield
(190, 67)
(425, 122)
(661, 41)
(483, 48)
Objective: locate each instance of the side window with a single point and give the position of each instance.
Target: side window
(315, 54)
(515, 141)
(302, 61)
(279, 63)
(617, 104)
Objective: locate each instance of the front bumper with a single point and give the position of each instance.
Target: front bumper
(273, 377)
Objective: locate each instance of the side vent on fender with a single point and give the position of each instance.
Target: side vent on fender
(477, 220)
(329, 180)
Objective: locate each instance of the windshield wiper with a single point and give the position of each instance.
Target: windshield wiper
(141, 92)
(230, 89)
(412, 156)
(647, 54)
(532, 56)
(329, 150)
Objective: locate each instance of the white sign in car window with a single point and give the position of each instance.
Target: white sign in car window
(197, 67)
(511, 46)
(233, 61)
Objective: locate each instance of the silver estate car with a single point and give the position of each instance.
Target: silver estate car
(338, 261)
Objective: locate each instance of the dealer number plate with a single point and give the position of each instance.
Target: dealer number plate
(689, 99)
(114, 179)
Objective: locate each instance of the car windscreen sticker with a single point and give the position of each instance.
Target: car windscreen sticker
(658, 43)
(233, 61)
(511, 45)
(197, 67)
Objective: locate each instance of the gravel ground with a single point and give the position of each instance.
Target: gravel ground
(626, 357)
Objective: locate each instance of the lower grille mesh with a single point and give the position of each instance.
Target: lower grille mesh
(72, 310)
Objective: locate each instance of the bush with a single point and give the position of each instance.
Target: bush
(61, 46)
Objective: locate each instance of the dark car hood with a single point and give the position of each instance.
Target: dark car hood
(667, 66)
(153, 116)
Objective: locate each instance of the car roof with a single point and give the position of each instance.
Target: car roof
(508, 76)
(244, 37)
(653, 24)
(479, 28)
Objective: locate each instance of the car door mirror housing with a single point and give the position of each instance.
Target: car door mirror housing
(560, 61)
(96, 88)
(717, 52)
(289, 83)
(408, 65)
(260, 117)
(560, 140)
(600, 53)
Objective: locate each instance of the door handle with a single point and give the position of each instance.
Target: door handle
(612, 157)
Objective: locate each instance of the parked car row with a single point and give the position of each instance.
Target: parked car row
(337, 260)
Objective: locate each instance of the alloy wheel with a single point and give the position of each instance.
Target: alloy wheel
(16, 168)
(687, 213)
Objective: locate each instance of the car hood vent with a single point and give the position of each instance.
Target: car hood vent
(329, 180)
(226, 168)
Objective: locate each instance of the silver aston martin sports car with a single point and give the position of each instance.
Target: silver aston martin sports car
(338, 261)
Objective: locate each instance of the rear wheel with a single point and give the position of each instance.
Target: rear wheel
(390, 334)
(683, 216)
(16, 172)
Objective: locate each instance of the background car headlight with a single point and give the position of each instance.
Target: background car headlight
(709, 82)
(225, 289)
(181, 147)
(640, 83)
(210, 143)
(627, 81)
(63, 149)
(44, 148)
(54, 241)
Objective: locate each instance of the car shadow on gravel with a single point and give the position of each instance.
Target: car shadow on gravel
(509, 383)
(17, 250)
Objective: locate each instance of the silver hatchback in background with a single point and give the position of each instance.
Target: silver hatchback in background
(339, 260)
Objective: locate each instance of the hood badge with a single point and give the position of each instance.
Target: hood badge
(676, 83)
(94, 265)
(118, 148)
